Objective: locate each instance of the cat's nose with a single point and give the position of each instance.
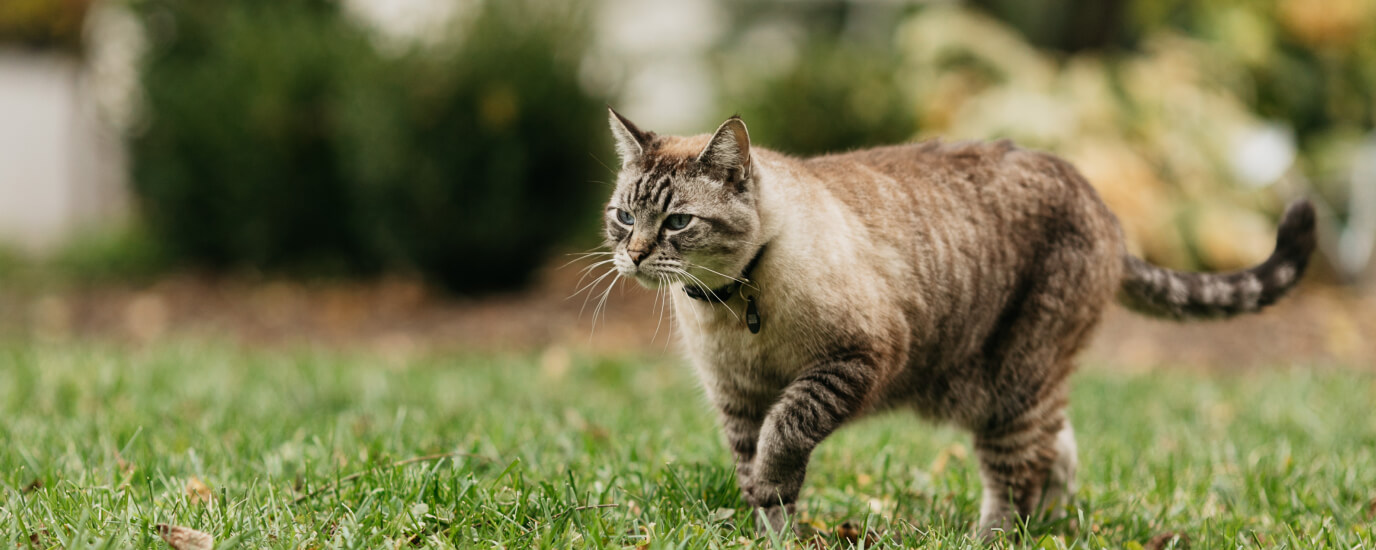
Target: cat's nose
(637, 254)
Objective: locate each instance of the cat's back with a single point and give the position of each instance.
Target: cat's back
(930, 154)
(932, 166)
(990, 183)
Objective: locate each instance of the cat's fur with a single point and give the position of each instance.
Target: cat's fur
(958, 280)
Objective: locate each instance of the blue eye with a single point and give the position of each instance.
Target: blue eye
(677, 221)
(625, 217)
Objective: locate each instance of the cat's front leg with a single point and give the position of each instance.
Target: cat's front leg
(741, 418)
(810, 408)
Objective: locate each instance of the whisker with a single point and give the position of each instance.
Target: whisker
(598, 308)
(692, 311)
(594, 265)
(659, 306)
(673, 312)
(709, 291)
(590, 294)
(602, 304)
(604, 165)
(582, 287)
(583, 256)
(593, 250)
(710, 270)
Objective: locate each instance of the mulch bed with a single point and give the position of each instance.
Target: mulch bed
(400, 316)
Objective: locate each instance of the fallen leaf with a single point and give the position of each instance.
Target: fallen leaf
(847, 531)
(850, 533)
(1164, 540)
(813, 542)
(38, 538)
(197, 491)
(185, 538)
(808, 537)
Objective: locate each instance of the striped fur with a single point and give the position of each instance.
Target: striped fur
(1171, 294)
(955, 280)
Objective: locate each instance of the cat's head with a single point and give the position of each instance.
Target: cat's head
(684, 207)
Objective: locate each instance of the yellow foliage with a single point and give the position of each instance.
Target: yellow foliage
(1151, 130)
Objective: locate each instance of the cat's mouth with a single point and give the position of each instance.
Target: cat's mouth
(657, 277)
(650, 281)
(658, 273)
(649, 278)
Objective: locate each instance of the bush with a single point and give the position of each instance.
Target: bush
(281, 138)
(808, 83)
(842, 97)
(43, 24)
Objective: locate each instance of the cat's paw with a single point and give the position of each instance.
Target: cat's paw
(745, 475)
(776, 519)
(763, 491)
(760, 493)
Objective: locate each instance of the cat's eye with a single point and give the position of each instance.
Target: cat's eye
(624, 217)
(676, 222)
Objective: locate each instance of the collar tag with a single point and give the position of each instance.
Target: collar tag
(752, 315)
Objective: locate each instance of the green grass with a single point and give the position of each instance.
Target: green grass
(1282, 458)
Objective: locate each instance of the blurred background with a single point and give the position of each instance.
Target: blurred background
(413, 175)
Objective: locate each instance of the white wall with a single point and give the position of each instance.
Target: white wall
(61, 169)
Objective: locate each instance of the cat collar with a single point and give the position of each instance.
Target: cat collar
(725, 292)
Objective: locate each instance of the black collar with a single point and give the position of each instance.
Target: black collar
(725, 292)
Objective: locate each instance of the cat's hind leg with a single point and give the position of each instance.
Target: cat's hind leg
(1060, 484)
(1021, 461)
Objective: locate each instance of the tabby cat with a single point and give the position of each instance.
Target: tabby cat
(958, 280)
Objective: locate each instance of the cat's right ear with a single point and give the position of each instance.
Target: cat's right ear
(630, 141)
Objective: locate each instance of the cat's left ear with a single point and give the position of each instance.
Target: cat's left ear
(630, 141)
(728, 153)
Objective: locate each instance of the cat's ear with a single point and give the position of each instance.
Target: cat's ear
(728, 153)
(630, 141)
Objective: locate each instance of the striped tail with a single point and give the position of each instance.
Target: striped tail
(1161, 292)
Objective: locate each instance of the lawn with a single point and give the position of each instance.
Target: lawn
(101, 443)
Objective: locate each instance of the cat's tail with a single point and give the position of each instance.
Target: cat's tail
(1162, 292)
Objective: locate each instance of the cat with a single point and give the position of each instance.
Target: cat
(958, 280)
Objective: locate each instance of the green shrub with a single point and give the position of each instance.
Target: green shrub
(808, 83)
(281, 138)
(840, 97)
(121, 253)
(43, 24)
